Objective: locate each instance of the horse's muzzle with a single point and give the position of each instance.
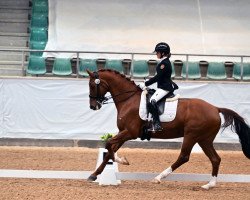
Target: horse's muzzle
(92, 107)
(97, 107)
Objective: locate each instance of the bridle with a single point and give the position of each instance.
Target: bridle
(101, 99)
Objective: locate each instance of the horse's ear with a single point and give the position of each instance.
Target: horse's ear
(90, 73)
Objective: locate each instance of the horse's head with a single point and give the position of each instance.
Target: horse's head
(97, 90)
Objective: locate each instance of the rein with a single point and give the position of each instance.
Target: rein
(102, 99)
(110, 97)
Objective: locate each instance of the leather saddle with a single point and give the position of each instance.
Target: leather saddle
(161, 103)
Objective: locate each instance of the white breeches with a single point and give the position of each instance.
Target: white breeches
(159, 93)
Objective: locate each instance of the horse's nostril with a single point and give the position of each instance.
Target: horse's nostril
(92, 107)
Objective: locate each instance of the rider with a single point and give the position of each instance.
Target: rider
(164, 83)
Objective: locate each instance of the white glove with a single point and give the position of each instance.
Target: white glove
(142, 86)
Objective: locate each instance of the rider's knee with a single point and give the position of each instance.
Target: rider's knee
(151, 105)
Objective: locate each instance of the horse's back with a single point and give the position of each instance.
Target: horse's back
(195, 103)
(198, 112)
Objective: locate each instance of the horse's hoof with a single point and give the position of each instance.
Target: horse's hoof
(91, 178)
(210, 184)
(125, 161)
(156, 181)
(205, 187)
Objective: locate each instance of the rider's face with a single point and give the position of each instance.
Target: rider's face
(158, 54)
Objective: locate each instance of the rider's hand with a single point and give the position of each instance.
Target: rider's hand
(142, 86)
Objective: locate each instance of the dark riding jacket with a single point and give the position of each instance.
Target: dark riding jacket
(163, 76)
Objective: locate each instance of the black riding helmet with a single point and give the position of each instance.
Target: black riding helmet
(162, 47)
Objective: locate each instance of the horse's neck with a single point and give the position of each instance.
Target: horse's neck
(121, 90)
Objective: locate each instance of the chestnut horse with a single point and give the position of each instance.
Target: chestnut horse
(196, 120)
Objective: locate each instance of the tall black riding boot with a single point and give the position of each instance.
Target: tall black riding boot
(156, 119)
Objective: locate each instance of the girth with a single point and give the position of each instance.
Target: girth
(161, 103)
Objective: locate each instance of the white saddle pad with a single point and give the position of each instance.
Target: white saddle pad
(169, 112)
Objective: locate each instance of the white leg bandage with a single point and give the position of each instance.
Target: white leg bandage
(164, 174)
(211, 184)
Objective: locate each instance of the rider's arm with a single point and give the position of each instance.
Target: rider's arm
(152, 80)
(161, 71)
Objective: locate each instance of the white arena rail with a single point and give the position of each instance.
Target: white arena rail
(82, 175)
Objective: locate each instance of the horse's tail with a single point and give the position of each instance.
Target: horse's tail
(240, 127)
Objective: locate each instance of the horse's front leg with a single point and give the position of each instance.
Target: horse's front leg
(99, 170)
(112, 146)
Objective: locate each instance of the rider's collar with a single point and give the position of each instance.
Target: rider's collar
(162, 58)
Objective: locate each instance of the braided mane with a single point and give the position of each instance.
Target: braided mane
(117, 73)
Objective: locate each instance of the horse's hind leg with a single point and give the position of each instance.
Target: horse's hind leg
(215, 159)
(186, 149)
